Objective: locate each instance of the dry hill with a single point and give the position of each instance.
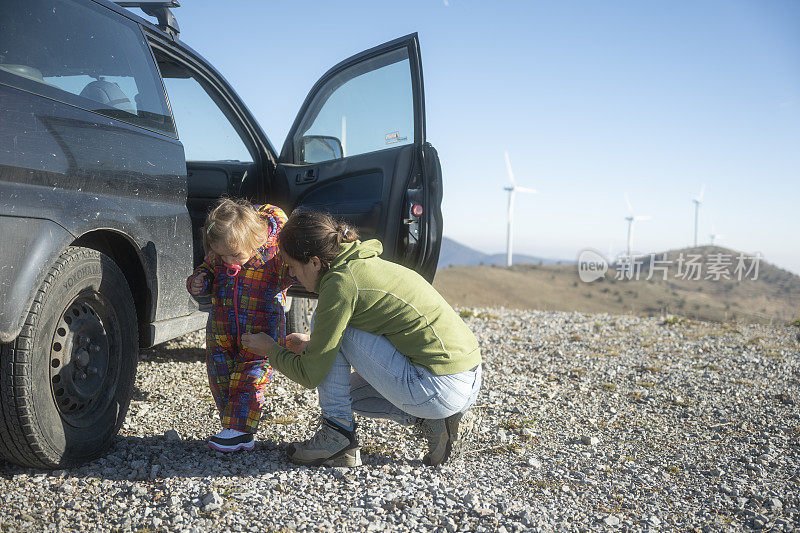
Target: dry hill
(773, 297)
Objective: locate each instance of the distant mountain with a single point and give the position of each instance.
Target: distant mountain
(456, 254)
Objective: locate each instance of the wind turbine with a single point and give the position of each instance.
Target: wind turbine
(697, 201)
(511, 192)
(714, 235)
(631, 219)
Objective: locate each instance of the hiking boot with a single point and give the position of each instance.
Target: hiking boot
(230, 440)
(446, 436)
(331, 445)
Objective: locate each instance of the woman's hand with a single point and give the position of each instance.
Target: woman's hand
(297, 342)
(258, 343)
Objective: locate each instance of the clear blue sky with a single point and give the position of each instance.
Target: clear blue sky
(591, 99)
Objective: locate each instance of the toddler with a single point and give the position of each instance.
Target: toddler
(247, 281)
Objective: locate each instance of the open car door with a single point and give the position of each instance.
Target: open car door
(357, 150)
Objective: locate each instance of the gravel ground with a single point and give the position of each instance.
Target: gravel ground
(589, 422)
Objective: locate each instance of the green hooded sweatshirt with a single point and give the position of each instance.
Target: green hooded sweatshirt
(363, 291)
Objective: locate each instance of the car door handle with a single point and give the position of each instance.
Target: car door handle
(307, 176)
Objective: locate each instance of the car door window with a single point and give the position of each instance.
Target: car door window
(365, 108)
(204, 130)
(85, 55)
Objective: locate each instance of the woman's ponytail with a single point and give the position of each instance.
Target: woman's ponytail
(346, 233)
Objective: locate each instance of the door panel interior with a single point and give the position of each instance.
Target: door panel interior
(365, 190)
(355, 198)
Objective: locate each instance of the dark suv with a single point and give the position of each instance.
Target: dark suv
(115, 139)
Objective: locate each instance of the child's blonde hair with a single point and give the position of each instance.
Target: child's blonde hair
(235, 224)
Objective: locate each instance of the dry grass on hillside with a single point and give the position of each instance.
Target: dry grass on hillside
(768, 300)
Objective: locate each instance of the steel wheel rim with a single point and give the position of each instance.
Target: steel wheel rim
(84, 359)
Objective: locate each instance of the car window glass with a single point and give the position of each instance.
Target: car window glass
(85, 55)
(367, 107)
(204, 130)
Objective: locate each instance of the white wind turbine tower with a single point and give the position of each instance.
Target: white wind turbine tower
(631, 219)
(511, 192)
(697, 201)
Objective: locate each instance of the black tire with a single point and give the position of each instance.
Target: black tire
(298, 317)
(66, 381)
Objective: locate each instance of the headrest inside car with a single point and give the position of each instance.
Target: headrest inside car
(108, 93)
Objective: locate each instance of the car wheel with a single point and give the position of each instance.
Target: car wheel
(66, 381)
(298, 317)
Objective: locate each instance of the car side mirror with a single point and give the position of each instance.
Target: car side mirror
(318, 148)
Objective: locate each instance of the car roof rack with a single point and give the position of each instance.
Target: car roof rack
(159, 10)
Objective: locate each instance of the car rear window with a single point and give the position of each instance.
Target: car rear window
(82, 54)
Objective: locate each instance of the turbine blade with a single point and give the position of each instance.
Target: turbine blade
(702, 190)
(628, 201)
(526, 189)
(508, 166)
(643, 217)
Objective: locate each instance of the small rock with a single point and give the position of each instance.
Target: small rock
(590, 441)
(210, 498)
(785, 398)
(171, 435)
(611, 520)
(533, 462)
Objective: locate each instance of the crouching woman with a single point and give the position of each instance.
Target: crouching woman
(414, 359)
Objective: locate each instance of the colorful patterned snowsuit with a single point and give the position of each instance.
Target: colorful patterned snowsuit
(251, 301)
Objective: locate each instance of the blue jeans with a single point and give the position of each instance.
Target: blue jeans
(386, 385)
